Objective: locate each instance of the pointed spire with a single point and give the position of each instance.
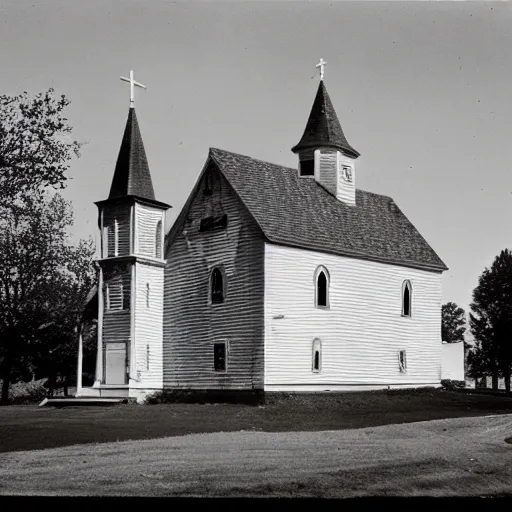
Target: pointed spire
(323, 128)
(131, 176)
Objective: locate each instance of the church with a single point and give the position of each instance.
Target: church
(271, 278)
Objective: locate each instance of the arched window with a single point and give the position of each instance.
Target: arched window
(406, 298)
(317, 356)
(116, 237)
(321, 288)
(217, 286)
(158, 240)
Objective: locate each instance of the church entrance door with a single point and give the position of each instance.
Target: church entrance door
(115, 363)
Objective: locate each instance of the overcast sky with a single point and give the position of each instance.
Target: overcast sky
(422, 91)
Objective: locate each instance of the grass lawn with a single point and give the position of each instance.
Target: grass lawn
(449, 457)
(30, 428)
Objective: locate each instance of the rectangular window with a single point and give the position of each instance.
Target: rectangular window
(214, 223)
(219, 357)
(111, 241)
(117, 292)
(307, 168)
(402, 361)
(147, 357)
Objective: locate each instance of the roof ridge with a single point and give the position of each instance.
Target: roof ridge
(281, 205)
(287, 168)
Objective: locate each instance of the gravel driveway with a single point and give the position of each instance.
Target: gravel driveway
(461, 457)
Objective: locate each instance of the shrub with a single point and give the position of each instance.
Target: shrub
(173, 396)
(32, 390)
(451, 385)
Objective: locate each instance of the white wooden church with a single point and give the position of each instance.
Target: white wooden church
(271, 278)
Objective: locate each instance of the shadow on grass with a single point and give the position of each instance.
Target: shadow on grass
(29, 427)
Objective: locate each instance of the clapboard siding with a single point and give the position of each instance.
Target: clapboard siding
(346, 190)
(147, 219)
(191, 324)
(116, 214)
(116, 326)
(148, 324)
(327, 169)
(362, 331)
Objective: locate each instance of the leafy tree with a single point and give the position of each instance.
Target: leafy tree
(491, 320)
(35, 143)
(55, 353)
(453, 322)
(42, 275)
(42, 278)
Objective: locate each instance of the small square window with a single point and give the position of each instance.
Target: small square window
(219, 357)
(307, 168)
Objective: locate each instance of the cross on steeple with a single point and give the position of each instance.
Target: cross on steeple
(321, 65)
(132, 83)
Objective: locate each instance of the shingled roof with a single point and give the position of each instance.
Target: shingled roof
(299, 212)
(131, 176)
(323, 128)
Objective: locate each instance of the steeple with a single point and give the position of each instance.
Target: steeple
(323, 128)
(324, 152)
(131, 175)
(131, 272)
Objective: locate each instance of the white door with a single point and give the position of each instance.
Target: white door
(115, 363)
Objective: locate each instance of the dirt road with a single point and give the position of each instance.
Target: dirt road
(461, 457)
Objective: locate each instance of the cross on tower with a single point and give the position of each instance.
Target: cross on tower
(132, 83)
(321, 65)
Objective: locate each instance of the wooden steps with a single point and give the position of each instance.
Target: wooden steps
(81, 401)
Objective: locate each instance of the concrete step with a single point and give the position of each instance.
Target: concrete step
(79, 401)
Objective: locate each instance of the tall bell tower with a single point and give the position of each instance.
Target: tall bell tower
(324, 152)
(131, 274)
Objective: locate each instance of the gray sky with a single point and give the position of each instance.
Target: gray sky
(422, 91)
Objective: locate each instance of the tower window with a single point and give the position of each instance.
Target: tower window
(117, 292)
(111, 241)
(322, 288)
(217, 284)
(402, 361)
(116, 237)
(307, 167)
(317, 355)
(406, 298)
(158, 240)
(219, 357)
(112, 238)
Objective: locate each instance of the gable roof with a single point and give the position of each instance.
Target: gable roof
(323, 128)
(299, 212)
(131, 176)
